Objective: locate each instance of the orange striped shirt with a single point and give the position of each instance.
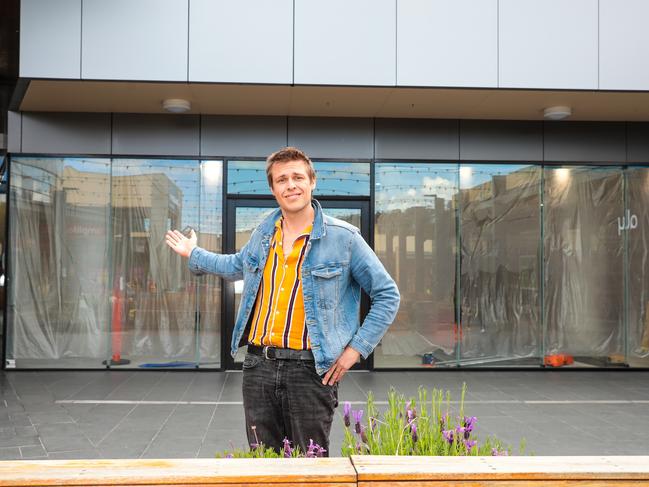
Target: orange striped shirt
(278, 319)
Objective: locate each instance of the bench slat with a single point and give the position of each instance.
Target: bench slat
(393, 468)
(322, 471)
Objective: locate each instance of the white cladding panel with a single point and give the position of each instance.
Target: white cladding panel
(548, 44)
(624, 45)
(345, 42)
(243, 41)
(135, 40)
(50, 39)
(447, 43)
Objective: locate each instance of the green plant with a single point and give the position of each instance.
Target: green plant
(419, 426)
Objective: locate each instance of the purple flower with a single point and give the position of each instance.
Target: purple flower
(347, 409)
(413, 431)
(448, 436)
(373, 423)
(469, 444)
(358, 417)
(311, 449)
(229, 455)
(442, 424)
(461, 431)
(314, 450)
(495, 452)
(288, 451)
(469, 423)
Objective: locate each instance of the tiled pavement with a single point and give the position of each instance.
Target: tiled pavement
(195, 414)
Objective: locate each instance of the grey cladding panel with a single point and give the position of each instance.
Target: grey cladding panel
(150, 134)
(66, 133)
(50, 39)
(416, 139)
(638, 142)
(496, 140)
(141, 40)
(585, 141)
(332, 137)
(247, 41)
(239, 136)
(342, 42)
(14, 132)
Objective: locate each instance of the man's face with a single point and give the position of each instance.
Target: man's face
(292, 186)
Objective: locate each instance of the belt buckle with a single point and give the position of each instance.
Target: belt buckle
(266, 347)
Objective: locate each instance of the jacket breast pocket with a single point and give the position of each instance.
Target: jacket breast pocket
(327, 283)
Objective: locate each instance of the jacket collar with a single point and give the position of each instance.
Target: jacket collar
(267, 227)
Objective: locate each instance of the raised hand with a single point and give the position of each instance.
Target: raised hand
(181, 244)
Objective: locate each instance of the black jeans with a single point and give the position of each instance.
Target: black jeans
(286, 399)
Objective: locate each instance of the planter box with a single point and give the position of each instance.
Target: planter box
(392, 471)
(359, 471)
(235, 472)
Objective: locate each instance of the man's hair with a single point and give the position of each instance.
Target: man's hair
(288, 154)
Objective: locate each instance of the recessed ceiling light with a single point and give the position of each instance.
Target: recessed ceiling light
(176, 105)
(557, 113)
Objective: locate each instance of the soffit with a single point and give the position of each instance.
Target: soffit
(331, 101)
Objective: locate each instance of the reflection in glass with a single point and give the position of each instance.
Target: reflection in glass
(334, 178)
(156, 324)
(635, 223)
(500, 237)
(210, 237)
(58, 300)
(415, 239)
(584, 264)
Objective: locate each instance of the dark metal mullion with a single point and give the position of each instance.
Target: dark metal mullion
(225, 221)
(7, 252)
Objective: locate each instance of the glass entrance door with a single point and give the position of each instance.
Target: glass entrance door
(244, 215)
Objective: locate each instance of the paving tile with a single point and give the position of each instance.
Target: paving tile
(10, 454)
(65, 443)
(86, 453)
(19, 441)
(49, 418)
(33, 452)
(25, 431)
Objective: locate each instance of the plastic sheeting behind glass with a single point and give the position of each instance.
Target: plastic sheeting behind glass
(59, 294)
(500, 235)
(635, 223)
(210, 237)
(154, 323)
(415, 238)
(584, 264)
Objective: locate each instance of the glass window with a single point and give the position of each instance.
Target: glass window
(59, 293)
(633, 224)
(210, 237)
(334, 178)
(584, 264)
(415, 238)
(499, 287)
(155, 324)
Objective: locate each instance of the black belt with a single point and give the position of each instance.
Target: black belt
(274, 353)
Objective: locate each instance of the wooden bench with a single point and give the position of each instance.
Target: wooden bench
(523, 471)
(235, 472)
(359, 471)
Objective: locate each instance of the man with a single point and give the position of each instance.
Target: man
(299, 311)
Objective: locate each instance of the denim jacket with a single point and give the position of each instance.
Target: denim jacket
(338, 262)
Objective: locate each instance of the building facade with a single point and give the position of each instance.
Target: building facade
(516, 240)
